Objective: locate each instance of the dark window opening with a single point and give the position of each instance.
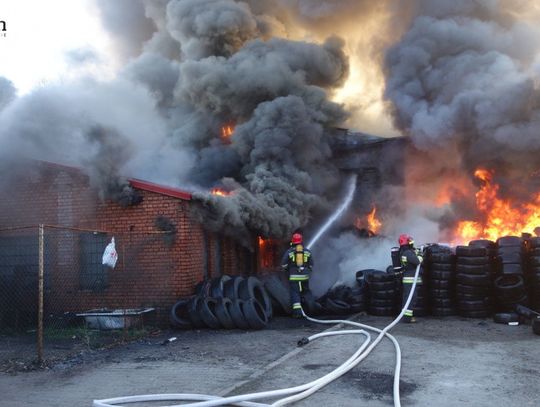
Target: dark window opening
(93, 274)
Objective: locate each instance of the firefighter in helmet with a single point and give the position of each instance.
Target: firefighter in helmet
(410, 258)
(298, 262)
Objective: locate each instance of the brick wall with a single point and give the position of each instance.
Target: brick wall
(151, 271)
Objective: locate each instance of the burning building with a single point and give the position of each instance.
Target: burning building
(244, 98)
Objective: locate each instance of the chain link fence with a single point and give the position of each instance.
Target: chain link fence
(56, 295)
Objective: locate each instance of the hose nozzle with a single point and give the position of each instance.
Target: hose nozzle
(303, 341)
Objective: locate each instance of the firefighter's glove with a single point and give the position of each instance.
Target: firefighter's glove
(420, 258)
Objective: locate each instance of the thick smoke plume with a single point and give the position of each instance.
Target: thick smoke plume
(464, 78)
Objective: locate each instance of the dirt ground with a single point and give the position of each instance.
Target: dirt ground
(446, 362)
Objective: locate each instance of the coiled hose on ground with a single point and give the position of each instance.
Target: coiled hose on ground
(296, 393)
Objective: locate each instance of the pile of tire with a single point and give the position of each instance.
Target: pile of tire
(441, 280)
(384, 291)
(474, 278)
(533, 273)
(509, 285)
(226, 302)
(344, 300)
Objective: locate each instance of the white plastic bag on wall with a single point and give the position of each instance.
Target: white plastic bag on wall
(110, 256)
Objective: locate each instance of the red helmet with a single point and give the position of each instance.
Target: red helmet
(296, 238)
(405, 240)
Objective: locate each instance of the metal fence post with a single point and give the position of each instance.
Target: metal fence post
(40, 296)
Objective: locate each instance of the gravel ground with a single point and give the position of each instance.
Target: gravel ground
(446, 362)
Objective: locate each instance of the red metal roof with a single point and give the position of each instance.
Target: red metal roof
(160, 189)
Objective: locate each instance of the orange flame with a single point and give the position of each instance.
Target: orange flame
(370, 222)
(261, 241)
(219, 192)
(227, 131)
(502, 217)
(374, 223)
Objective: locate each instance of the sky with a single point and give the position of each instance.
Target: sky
(44, 36)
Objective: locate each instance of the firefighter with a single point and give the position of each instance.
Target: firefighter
(410, 258)
(298, 262)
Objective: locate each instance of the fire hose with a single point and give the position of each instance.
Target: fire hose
(298, 392)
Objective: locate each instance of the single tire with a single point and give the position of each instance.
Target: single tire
(469, 289)
(278, 291)
(471, 297)
(337, 307)
(194, 316)
(509, 282)
(202, 289)
(222, 313)
(506, 317)
(473, 305)
(235, 311)
(358, 307)
(443, 312)
(510, 269)
(254, 313)
(207, 311)
(439, 293)
(509, 241)
(442, 267)
(253, 288)
(180, 315)
(488, 244)
(480, 280)
(442, 302)
(469, 270)
(442, 258)
(442, 275)
(442, 284)
(384, 295)
(378, 276)
(381, 303)
(382, 286)
(230, 288)
(471, 251)
(510, 258)
(534, 261)
(473, 261)
(216, 286)
(534, 242)
(476, 314)
(526, 312)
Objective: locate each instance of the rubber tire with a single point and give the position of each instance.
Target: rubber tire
(222, 313)
(443, 312)
(439, 293)
(207, 311)
(475, 314)
(509, 241)
(337, 307)
(488, 244)
(472, 289)
(381, 303)
(471, 251)
(377, 276)
(505, 317)
(509, 258)
(254, 313)
(358, 307)
(279, 291)
(442, 267)
(442, 303)
(470, 270)
(382, 286)
(473, 305)
(442, 284)
(202, 289)
(442, 275)
(235, 311)
(510, 268)
(478, 280)
(384, 294)
(509, 282)
(216, 286)
(180, 316)
(230, 288)
(194, 316)
(473, 261)
(310, 306)
(253, 288)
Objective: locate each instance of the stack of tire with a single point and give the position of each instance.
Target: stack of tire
(227, 302)
(474, 278)
(533, 273)
(344, 300)
(441, 280)
(384, 290)
(509, 285)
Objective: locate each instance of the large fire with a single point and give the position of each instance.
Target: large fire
(501, 217)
